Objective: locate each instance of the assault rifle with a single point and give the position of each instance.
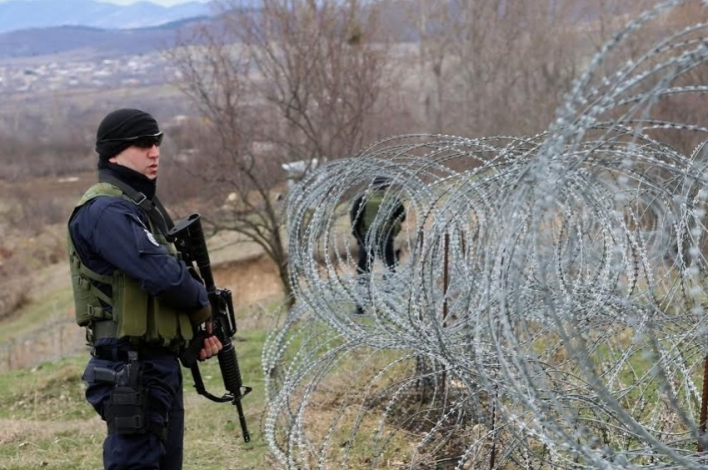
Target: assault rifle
(188, 237)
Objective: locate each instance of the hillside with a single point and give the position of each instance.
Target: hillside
(34, 275)
(45, 421)
(44, 418)
(90, 42)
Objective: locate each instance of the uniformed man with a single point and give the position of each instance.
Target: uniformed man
(137, 300)
(363, 214)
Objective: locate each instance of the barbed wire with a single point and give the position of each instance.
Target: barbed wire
(548, 307)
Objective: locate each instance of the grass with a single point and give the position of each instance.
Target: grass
(46, 422)
(54, 305)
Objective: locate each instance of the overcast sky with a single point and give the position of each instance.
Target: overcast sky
(166, 3)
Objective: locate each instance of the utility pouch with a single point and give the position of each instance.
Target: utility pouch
(126, 410)
(130, 308)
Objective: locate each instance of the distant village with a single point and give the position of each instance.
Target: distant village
(137, 70)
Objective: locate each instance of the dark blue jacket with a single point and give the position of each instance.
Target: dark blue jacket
(112, 233)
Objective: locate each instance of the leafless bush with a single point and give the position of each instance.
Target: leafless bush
(33, 210)
(20, 258)
(292, 81)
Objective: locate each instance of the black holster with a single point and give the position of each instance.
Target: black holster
(126, 412)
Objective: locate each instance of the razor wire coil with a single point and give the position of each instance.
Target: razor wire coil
(547, 310)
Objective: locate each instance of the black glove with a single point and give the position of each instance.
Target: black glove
(199, 316)
(190, 356)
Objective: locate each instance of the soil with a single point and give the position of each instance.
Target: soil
(252, 280)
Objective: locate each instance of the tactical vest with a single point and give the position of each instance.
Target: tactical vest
(371, 209)
(138, 315)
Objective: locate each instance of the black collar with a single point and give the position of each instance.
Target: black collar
(126, 180)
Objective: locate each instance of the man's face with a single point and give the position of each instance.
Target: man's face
(140, 159)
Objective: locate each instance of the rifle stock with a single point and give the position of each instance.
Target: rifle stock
(188, 237)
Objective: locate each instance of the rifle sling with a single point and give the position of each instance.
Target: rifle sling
(152, 208)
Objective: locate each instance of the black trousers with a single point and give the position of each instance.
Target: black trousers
(162, 377)
(383, 250)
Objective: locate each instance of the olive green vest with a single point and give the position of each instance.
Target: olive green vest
(371, 209)
(139, 316)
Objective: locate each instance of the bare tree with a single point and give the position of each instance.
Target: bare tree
(497, 66)
(431, 19)
(321, 64)
(686, 109)
(290, 80)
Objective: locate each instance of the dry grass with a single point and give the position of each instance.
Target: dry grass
(45, 421)
(21, 432)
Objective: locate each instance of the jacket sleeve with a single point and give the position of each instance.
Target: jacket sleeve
(399, 212)
(122, 239)
(355, 217)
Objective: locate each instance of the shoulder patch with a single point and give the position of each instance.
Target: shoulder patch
(151, 237)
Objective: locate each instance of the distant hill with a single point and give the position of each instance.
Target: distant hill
(90, 42)
(20, 14)
(88, 29)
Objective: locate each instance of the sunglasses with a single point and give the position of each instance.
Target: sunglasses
(141, 141)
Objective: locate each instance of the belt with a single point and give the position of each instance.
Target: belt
(109, 329)
(113, 353)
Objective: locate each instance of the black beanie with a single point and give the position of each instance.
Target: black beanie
(122, 124)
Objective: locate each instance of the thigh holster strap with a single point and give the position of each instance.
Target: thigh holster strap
(127, 414)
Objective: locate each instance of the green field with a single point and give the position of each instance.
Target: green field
(46, 423)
